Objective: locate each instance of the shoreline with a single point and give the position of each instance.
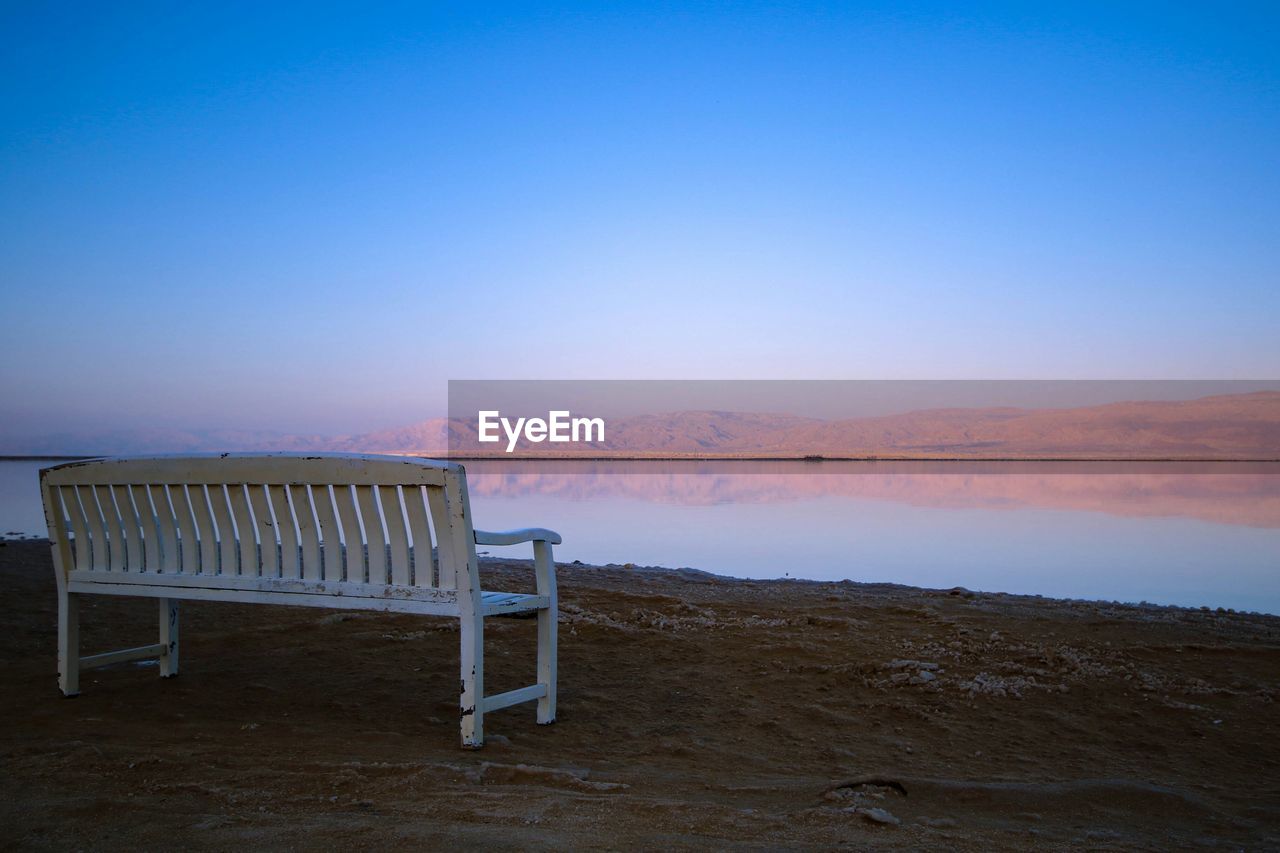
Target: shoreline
(688, 571)
(994, 595)
(1024, 597)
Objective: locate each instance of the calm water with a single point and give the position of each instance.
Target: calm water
(1189, 535)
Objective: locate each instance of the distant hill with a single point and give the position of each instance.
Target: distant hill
(158, 440)
(1236, 426)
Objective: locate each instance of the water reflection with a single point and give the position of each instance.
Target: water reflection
(1171, 533)
(1231, 493)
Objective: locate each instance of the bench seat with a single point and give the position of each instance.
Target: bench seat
(390, 598)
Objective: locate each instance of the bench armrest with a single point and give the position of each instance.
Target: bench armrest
(515, 537)
(544, 565)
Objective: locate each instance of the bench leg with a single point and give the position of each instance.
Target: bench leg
(68, 643)
(168, 637)
(547, 665)
(471, 702)
(545, 568)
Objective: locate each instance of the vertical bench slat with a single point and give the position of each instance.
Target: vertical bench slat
(97, 533)
(308, 530)
(188, 535)
(115, 531)
(280, 503)
(351, 535)
(199, 495)
(268, 545)
(150, 531)
(330, 533)
(132, 529)
(169, 559)
(397, 533)
(374, 536)
(446, 560)
(79, 526)
(423, 566)
(226, 531)
(246, 530)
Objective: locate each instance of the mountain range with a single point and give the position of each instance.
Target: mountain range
(1235, 426)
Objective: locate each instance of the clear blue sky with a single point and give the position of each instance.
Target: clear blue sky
(310, 217)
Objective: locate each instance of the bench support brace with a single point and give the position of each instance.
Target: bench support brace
(122, 656)
(70, 662)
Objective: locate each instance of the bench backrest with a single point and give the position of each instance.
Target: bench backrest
(325, 517)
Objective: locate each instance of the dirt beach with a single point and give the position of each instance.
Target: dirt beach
(695, 711)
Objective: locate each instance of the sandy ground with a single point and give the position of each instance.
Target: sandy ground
(694, 712)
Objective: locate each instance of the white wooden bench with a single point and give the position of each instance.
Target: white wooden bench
(318, 530)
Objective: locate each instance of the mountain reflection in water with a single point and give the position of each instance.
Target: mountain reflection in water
(1223, 493)
(1170, 533)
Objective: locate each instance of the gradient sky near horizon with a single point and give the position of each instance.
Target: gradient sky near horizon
(309, 217)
